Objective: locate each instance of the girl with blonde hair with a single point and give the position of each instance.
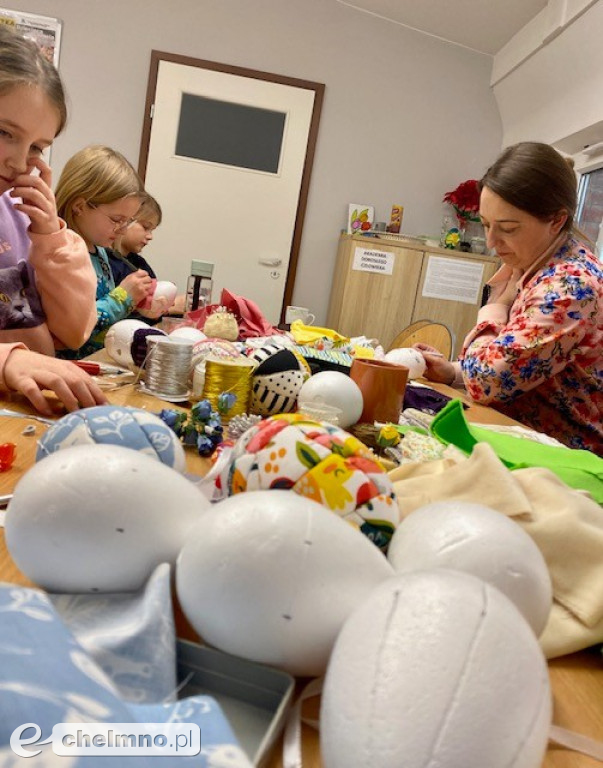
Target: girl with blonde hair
(99, 194)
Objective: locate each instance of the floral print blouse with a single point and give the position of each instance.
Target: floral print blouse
(541, 362)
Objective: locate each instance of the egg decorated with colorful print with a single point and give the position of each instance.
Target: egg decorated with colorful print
(271, 576)
(435, 667)
(99, 518)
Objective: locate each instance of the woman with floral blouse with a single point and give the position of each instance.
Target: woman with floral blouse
(536, 353)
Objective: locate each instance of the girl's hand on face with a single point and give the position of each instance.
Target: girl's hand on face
(137, 285)
(38, 199)
(438, 368)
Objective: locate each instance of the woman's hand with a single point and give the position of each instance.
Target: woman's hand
(438, 368)
(29, 373)
(38, 199)
(503, 286)
(137, 285)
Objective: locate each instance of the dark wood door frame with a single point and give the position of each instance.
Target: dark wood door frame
(318, 88)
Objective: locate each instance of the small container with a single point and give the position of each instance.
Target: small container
(199, 285)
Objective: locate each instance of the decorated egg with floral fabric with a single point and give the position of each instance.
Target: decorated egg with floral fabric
(322, 462)
(115, 425)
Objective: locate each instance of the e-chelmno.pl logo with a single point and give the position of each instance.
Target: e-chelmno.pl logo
(116, 739)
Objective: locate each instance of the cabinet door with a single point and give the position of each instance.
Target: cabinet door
(458, 281)
(369, 303)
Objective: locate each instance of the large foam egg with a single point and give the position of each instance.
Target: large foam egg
(411, 358)
(188, 333)
(119, 338)
(435, 668)
(272, 576)
(476, 539)
(335, 389)
(115, 425)
(99, 518)
(164, 289)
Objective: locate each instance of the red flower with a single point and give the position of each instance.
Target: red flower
(465, 201)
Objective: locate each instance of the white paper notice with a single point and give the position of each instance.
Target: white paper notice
(368, 260)
(453, 279)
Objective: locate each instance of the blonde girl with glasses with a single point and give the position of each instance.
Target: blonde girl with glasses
(99, 194)
(47, 284)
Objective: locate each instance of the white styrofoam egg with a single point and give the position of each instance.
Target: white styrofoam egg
(411, 358)
(99, 518)
(188, 333)
(272, 576)
(435, 668)
(335, 389)
(118, 340)
(164, 289)
(476, 539)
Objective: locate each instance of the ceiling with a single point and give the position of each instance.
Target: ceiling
(483, 25)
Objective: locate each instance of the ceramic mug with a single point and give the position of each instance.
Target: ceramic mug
(382, 385)
(299, 313)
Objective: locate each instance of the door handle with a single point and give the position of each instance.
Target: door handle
(271, 262)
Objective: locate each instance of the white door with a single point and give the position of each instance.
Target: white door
(226, 160)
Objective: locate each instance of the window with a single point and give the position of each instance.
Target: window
(589, 214)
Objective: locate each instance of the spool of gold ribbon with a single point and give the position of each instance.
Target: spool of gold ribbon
(224, 378)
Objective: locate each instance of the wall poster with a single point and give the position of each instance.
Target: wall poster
(43, 30)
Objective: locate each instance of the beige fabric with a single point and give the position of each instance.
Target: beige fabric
(567, 526)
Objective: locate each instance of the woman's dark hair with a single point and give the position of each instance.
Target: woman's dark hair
(535, 178)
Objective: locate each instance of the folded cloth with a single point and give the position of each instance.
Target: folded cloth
(566, 525)
(308, 335)
(250, 318)
(579, 469)
(47, 678)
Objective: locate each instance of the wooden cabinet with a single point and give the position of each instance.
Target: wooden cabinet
(381, 285)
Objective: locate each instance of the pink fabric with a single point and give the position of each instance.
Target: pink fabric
(251, 321)
(148, 299)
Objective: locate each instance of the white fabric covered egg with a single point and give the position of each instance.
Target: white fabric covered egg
(477, 539)
(435, 668)
(118, 340)
(336, 389)
(272, 576)
(411, 358)
(99, 518)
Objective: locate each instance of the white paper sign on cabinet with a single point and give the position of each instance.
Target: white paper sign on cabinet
(453, 279)
(370, 260)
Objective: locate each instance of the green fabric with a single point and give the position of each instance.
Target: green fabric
(578, 469)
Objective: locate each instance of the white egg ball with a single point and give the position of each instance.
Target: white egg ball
(335, 389)
(164, 290)
(272, 576)
(118, 340)
(411, 358)
(435, 668)
(477, 539)
(99, 518)
(188, 333)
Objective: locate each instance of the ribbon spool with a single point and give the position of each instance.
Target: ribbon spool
(167, 367)
(228, 377)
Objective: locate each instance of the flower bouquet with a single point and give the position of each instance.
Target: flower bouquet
(465, 201)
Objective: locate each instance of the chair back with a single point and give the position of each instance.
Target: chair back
(437, 335)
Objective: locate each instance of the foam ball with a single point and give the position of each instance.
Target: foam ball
(411, 358)
(99, 518)
(125, 341)
(163, 290)
(189, 333)
(435, 668)
(272, 576)
(476, 539)
(277, 380)
(335, 389)
(321, 462)
(115, 425)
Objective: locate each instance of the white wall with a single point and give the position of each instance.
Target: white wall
(406, 117)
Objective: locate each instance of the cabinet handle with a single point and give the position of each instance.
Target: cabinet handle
(271, 262)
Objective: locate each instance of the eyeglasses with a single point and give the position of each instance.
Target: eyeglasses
(119, 222)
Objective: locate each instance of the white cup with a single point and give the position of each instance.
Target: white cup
(299, 313)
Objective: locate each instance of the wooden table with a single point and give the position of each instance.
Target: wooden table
(577, 679)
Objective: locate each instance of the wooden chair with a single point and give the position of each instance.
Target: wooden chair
(437, 335)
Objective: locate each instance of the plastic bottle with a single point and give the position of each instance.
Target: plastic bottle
(199, 285)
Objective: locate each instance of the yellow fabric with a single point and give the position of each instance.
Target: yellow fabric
(567, 526)
(308, 334)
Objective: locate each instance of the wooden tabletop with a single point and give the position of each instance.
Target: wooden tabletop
(577, 679)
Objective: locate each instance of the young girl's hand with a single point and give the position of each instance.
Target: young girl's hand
(137, 285)
(38, 199)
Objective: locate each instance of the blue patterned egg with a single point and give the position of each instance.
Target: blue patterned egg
(115, 425)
